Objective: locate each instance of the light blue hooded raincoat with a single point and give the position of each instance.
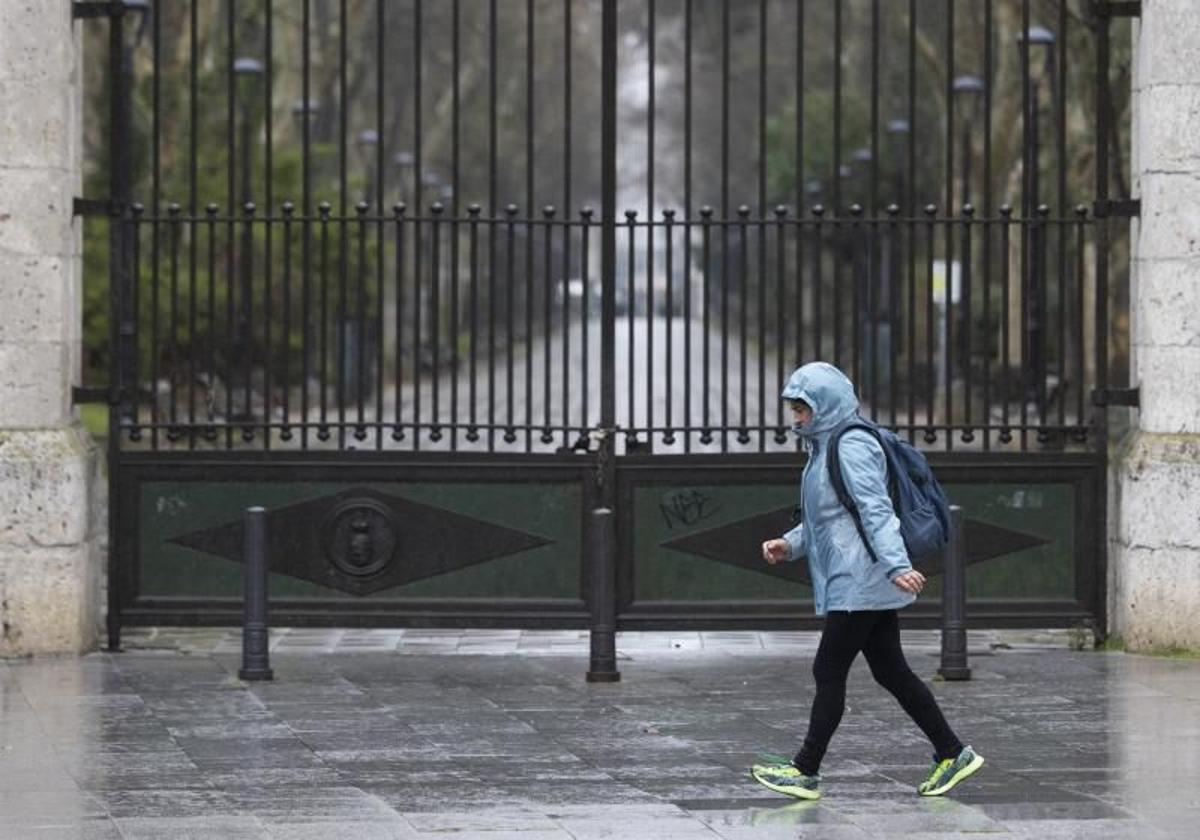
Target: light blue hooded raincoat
(844, 576)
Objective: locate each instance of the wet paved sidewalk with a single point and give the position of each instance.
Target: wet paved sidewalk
(495, 734)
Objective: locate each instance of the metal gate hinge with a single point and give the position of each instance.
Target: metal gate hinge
(1118, 9)
(82, 9)
(1130, 397)
(1118, 208)
(95, 207)
(90, 394)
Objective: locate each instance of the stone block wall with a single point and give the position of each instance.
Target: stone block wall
(1154, 582)
(50, 565)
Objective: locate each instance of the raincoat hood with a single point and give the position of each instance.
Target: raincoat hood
(827, 391)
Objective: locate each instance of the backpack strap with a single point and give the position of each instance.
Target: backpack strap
(833, 459)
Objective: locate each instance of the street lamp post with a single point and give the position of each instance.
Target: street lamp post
(969, 88)
(248, 71)
(121, 236)
(1034, 300)
(898, 130)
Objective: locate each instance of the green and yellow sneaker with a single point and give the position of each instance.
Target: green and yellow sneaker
(786, 779)
(948, 772)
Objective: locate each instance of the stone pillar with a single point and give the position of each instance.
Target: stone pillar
(1155, 557)
(49, 551)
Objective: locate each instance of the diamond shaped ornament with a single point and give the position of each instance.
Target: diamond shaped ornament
(361, 541)
(738, 544)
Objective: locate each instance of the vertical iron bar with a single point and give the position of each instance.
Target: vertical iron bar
(268, 379)
(360, 378)
(799, 195)
(725, 269)
(706, 245)
(669, 235)
(687, 226)
(949, 260)
(604, 603)
(306, 213)
(398, 211)
(473, 351)
(1041, 236)
(529, 227)
(762, 227)
(245, 319)
(817, 279)
(418, 361)
(343, 212)
(323, 317)
(174, 227)
(781, 286)
(836, 174)
(1080, 390)
(585, 421)
(380, 245)
(988, 343)
(801, 179)
(893, 310)
(130, 262)
(269, 206)
(453, 228)
(1058, 91)
(285, 343)
(418, 212)
(726, 294)
(510, 211)
(931, 376)
(493, 229)
(910, 203)
(968, 435)
(1006, 363)
(211, 321)
(873, 273)
(231, 220)
(193, 212)
(156, 210)
(547, 319)
(857, 231)
(1029, 163)
(743, 315)
(435, 318)
(650, 116)
(124, 314)
(837, 204)
(631, 297)
(1104, 118)
(568, 44)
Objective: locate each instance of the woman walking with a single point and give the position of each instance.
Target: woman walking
(859, 594)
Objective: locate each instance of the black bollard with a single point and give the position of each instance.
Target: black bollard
(954, 602)
(256, 664)
(602, 544)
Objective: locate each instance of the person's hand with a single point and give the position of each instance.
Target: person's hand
(911, 581)
(774, 551)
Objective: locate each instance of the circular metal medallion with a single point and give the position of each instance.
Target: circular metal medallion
(360, 537)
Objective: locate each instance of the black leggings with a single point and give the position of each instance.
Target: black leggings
(877, 635)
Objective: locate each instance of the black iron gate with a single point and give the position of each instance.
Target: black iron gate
(356, 276)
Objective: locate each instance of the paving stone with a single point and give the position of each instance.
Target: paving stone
(502, 737)
(87, 829)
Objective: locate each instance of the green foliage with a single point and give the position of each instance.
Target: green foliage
(784, 175)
